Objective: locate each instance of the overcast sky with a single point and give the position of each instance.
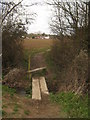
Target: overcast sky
(42, 20)
(43, 11)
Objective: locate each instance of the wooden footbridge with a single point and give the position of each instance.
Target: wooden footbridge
(39, 87)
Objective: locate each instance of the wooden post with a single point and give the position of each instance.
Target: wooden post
(29, 67)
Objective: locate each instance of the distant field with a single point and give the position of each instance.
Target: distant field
(37, 43)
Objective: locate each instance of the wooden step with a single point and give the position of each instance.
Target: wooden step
(36, 94)
(43, 86)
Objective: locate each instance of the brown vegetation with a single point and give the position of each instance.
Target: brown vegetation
(70, 67)
(37, 43)
(16, 78)
(70, 57)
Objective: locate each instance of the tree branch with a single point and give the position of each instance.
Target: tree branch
(10, 10)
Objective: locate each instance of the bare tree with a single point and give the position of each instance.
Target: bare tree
(15, 12)
(69, 16)
(14, 21)
(8, 9)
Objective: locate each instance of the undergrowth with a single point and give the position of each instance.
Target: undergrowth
(6, 89)
(32, 53)
(75, 106)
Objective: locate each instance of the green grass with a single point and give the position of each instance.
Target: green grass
(26, 112)
(0, 112)
(49, 60)
(32, 53)
(75, 106)
(4, 113)
(6, 89)
(15, 110)
(29, 92)
(0, 87)
(52, 66)
(50, 63)
(4, 106)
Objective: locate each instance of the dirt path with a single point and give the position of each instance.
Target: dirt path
(27, 108)
(44, 109)
(38, 61)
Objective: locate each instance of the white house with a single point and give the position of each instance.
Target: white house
(47, 37)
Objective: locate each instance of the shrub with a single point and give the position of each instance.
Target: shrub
(70, 66)
(12, 44)
(62, 54)
(81, 64)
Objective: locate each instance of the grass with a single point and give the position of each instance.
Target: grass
(51, 66)
(37, 43)
(4, 113)
(4, 106)
(75, 106)
(6, 89)
(50, 63)
(0, 110)
(29, 91)
(26, 112)
(33, 47)
(15, 110)
(32, 52)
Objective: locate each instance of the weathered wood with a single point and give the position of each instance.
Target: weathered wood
(43, 86)
(36, 94)
(37, 69)
(29, 67)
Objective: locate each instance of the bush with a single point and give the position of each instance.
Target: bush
(33, 37)
(70, 67)
(81, 67)
(81, 64)
(62, 54)
(12, 44)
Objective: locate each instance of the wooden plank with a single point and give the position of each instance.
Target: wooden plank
(37, 69)
(43, 86)
(36, 94)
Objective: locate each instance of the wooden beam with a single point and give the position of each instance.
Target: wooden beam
(37, 69)
(36, 94)
(43, 85)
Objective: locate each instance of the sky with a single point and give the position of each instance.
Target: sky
(42, 19)
(44, 14)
